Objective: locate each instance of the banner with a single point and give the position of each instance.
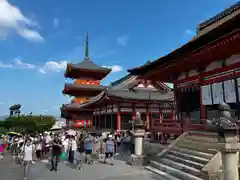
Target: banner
(206, 95)
(238, 87)
(217, 93)
(230, 91)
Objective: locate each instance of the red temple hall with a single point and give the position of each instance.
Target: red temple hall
(205, 72)
(116, 106)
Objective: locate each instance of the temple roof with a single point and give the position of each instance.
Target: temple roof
(225, 28)
(87, 65)
(219, 16)
(126, 95)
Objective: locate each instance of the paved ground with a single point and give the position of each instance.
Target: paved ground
(40, 171)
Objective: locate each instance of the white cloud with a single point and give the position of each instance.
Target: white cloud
(3, 65)
(22, 64)
(55, 22)
(189, 32)
(115, 68)
(11, 18)
(49, 66)
(123, 40)
(53, 66)
(17, 64)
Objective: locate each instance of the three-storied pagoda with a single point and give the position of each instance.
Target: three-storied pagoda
(87, 76)
(205, 72)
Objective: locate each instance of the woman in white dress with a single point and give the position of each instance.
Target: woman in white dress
(27, 156)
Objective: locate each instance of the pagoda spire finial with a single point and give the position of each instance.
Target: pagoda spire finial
(86, 46)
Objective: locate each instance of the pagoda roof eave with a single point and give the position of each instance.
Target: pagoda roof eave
(85, 104)
(86, 66)
(195, 44)
(84, 87)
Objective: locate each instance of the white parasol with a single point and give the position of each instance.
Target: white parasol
(71, 132)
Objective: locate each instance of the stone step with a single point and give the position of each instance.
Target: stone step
(185, 161)
(174, 172)
(161, 173)
(204, 147)
(194, 152)
(183, 167)
(202, 139)
(189, 157)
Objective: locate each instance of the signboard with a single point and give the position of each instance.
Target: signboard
(230, 91)
(206, 95)
(217, 93)
(82, 123)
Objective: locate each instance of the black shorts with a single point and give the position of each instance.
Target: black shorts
(109, 154)
(88, 151)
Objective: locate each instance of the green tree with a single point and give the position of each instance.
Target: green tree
(15, 110)
(29, 123)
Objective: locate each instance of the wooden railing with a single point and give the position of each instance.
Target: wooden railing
(172, 126)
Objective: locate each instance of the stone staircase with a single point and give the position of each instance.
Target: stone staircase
(190, 157)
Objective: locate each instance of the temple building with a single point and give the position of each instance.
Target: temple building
(116, 106)
(87, 76)
(205, 72)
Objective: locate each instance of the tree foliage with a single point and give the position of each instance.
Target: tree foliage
(15, 109)
(28, 124)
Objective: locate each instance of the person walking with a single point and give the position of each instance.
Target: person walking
(88, 144)
(80, 156)
(109, 149)
(27, 156)
(39, 150)
(1, 147)
(72, 150)
(56, 153)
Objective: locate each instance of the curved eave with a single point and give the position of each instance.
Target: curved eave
(75, 107)
(76, 89)
(75, 72)
(140, 95)
(84, 87)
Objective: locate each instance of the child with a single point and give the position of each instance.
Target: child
(39, 150)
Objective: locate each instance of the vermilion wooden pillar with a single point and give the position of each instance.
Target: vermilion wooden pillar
(118, 119)
(173, 114)
(202, 107)
(147, 118)
(133, 111)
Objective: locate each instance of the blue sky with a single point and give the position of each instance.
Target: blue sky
(38, 37)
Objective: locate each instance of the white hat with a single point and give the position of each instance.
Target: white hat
(110, 136)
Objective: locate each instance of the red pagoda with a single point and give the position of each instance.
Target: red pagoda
(87, 76)
(205, 72)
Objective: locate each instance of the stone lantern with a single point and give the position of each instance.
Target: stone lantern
(138, 134)
(228, 141)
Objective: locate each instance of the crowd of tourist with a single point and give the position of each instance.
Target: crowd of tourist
(76, 149)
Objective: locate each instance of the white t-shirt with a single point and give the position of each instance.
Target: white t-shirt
(65, 144)
(74, 145)
(48, 140)
(28, 152)
(39, 146)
